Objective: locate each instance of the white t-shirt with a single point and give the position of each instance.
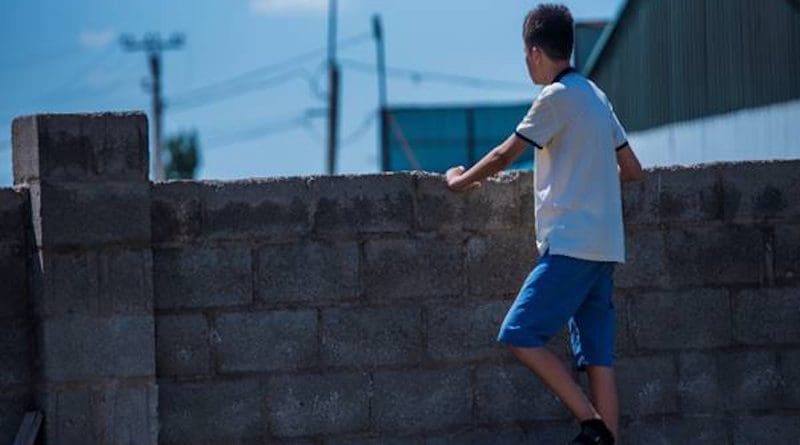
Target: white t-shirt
(576, 183)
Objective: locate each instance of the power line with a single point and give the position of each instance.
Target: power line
(78, 75)
(250, 80)
(192, 101)
(362, 128)
(257, 132)
(425, 75)
(41, 58)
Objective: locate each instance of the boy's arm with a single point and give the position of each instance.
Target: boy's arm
(496, 160)
(628, 165)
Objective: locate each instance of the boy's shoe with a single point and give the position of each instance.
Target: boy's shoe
(593, 432)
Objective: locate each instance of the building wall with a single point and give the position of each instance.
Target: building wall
(363, 309)
(768, 132)
(671, 61)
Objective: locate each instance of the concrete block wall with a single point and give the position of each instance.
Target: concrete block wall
(16, 325)
(90, 269)
(363, 309)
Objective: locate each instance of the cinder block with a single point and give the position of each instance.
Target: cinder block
(527, 200)
(80, 147)
(513, 437)
(78, 347)
(275, 208)
(363, 203)
(645, 260)
(752, 380)
(787, 253)
(714, 255)
(790, 372)
(307, 405)
(90, 214)
(438, 208)
(211, 412)
(420, 400)
(513, 393)
(14, 298)
(381, 440)
(624, 344)
(639, 202)
(175, 210)
(756, 191)
(105, 282)
(767, 316)
(371, 336)
(265, 341)
(685, 194)
(495, 205)
(700, 388)
(13, 406)
(650, 385)
(16, 351)
(749, 430)
(730, 380)
(466, 332)
(107, 414)
(14, 215)
(498, 264)
(697, 318)
(307, 271)
(683, 430)
(412, 267)
(182, 345)
(198, 277)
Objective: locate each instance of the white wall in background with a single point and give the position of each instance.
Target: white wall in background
(770, 132)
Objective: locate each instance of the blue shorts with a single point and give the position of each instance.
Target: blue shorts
(559, 290)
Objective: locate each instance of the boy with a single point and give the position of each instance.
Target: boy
(580, 157)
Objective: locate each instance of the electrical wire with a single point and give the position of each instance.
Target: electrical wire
(359, 132)
(97, 61)
(424, 75)
(257, 132)
(187, 102)
(251, 80)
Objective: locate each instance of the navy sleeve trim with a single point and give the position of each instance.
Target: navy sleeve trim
(623, 145)
(528, 140)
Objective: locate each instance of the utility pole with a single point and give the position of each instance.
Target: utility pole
(383, 111)
(333, 88)
(154, 46)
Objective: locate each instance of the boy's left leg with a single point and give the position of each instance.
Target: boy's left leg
(553, 373)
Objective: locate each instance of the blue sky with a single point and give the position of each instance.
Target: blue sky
(64, 56)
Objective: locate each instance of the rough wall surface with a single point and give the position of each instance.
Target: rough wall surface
(16, 325)
(363, 309)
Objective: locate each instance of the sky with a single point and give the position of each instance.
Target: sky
(258, 108)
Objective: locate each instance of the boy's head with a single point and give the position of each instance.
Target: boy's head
(548, 36)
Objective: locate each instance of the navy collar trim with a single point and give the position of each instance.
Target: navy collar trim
(563, 73)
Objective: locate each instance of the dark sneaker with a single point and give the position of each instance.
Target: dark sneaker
(594, 432)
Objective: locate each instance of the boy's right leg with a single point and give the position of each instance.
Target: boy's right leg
(603, 387)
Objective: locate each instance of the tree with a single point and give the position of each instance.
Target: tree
(184, 155)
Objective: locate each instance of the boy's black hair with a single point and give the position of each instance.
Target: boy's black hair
(549, 27)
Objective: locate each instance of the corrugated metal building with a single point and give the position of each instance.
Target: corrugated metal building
(704, 80)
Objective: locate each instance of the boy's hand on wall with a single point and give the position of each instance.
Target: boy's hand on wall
(454, 181)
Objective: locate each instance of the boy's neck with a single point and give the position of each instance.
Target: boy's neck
(556, 68)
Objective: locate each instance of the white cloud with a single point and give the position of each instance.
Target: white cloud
(96, 39)
(288, 6)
